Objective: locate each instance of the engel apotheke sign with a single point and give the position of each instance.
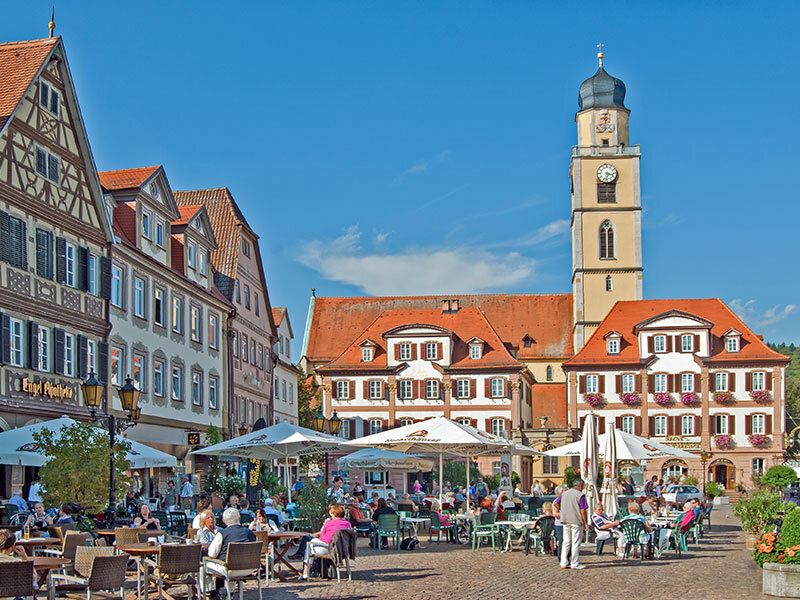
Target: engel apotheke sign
(43, 387)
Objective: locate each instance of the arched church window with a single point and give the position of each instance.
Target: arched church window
(609, 283)
(549, 373)
(607, 248)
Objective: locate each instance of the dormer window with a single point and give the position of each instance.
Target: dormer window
(160, 233)
(732, 343)
(475, 351)
(366, 355)
(660, 343)
(687, 343)
(527, 341)
(192, 249)
(204, 263)
(405, 351)
(432, 351)
(612, 345)
(146, 224)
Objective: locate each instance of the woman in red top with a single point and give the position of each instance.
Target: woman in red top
(322, 538)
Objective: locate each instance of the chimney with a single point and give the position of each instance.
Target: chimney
(454, 305)
(445, 306)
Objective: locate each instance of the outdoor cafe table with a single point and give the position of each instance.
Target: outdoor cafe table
(415, 522)
(511, 528)
(280, 554)
(43, 565)
(110, 534)
(140, 552)
(37, 542)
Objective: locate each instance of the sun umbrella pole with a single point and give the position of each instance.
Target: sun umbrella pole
(286, 477)
(440, 478)
(467, 465)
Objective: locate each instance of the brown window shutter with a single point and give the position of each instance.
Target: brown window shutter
(351, 388)
(748, 379)
(748, 424)
(601, 425)
(601, 384)
(637, 425)
(698, 425)
(768, 381)
(768, 425)
(366, 389)
(507, 426)
(678, 345)
(670, 383)
(731, 382)
(397, 351)
(383, 390)
(582, 384)
(712, 382)
(618, 383)
(651, 383)
(669, 343)
(651, 425)
(474, 423)
(696, 343)
(506, 388)
(697, 382)
(334, 387)
(670, 425)
(487, 387)
(712, 425)
(413, 352)
(618, 422)
(637, 382)
(472, 388)
(439, 352)
(581, 422)
(731, 424)
(384, 424)
(650, 344)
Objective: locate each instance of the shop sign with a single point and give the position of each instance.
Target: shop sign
(43, 387)
(677, 441)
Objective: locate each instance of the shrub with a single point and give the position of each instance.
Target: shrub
(780, 476)
(688, 480)
(570, 475)
(314, 503)
(758, 512)
(456, 473)
(230, 484)
(714, 489)
(790, 530)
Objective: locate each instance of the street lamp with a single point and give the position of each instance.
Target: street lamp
(704, 456)
(92, 391)
(333, 425)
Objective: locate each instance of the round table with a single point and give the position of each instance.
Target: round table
(38, 542)
(43, 565)
(280, 556)
(511, 526)
(139, 552)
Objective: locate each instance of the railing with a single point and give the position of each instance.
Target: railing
(605, 150)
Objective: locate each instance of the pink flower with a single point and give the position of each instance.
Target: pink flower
(690, 399)
(761, 396)
(594, 400)
(662, 398)
(631, 398)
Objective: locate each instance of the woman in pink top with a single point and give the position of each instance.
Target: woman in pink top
(322, 538)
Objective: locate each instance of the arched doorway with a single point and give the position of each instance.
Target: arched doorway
(723, 472)
(674, 470)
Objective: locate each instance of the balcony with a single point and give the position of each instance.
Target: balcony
(606, 150)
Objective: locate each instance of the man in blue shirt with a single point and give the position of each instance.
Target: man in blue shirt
(269, 509)
(18, 501)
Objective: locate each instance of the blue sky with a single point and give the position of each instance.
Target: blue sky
(423, 147)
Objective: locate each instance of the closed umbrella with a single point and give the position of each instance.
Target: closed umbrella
(589, 461)
(628, 447)
(609, 486)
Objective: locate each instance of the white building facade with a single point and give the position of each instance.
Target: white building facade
(285, 392)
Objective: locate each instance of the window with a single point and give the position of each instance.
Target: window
(147, 231)
(245, 248)
(405, 351)
(117, 360)
(660, 383)
(549, 373)
(158, 378)
(235, 343)
(660, 343)
(732, 344)
(244, 348)
(260, 356)
(375, 389)
(720, 382)
(344, 430)
(203, 262)
(69, 355)
(158, 306)
(475, 351)
(758, 424)
(195, 320)
(406, 389)
(91, 357)
(280, 344)
(609, 284)
(758, 381)
(375, 426)
(15, 346)
(116, 286)
(236, 292)
(497, 387)
(213, 386)
(253, 352)
(342, 389)
(159, 233)
(139, 372)
(291, 393)
(606, 192)
(197, 388)
(612, 345)
(591, 384)
(687, 382)
(366, 355)
(213, 331)
(288, 349)
(721, 423)
(550, 465)
(628, 383)
(44, 349)
(53, 167)
(431, 351)
(432, 389)
(70, 259)
(462, 388)
(275, 394)
(283, 390)
(687, 425)
(464, 421)
(192, 255)
(404, 422)
(138, 297)
(177, 383)
(177, 314)
(687, 343)
(48, 98)
(660, 425)
(246, 296)
(498, 426)
(255, 302)
(41, 162)
(758, 466)
(627, 424)
(607, 240)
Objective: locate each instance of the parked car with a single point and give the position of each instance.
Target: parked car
(792, 490)
(679, 494)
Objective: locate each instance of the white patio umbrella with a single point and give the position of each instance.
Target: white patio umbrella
(437, 436)
(589, 460)
(279, 441)
(628, 446)
(17, 447)
(376, 459)
(609, 486)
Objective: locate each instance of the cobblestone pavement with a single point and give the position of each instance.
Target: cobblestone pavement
(718, 569)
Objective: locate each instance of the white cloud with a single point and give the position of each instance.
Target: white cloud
(537, 236)
(421, 166)
(381, 236)
(746, 309)
(415, 271)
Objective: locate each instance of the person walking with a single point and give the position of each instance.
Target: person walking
(572, 506)
(187, 493)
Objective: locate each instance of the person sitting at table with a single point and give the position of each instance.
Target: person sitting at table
(391, 500)
(8, 548)
(244, 508)
(270, 509)
(203, 504)
(18, 501)
(356, 516)
(648, 507)
(260, 522)
(64, 514)
(634, 515)
(38, 519)
(373, 500)
(322, 538)
(234, 532)
(688, 516)
(146, 519)
(697, 507)
(444, 522)
(607, 529)
(407, 501)
(208, 528)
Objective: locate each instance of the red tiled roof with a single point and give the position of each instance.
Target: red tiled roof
(19, 64)
(625, 315)
(546, 318)
(550, 400)
(465, 324)
(187, 212)
(278, 313)
(126, 178)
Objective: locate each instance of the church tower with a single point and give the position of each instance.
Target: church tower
(606, 205)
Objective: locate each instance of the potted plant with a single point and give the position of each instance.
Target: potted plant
(690, 399)
(662, 398)
(758, 440)
(779, 557)
(757, 514)
(716, 491)
(762, 396)
(594, 400)
(631, 398)
(723, 441)
(724, 397)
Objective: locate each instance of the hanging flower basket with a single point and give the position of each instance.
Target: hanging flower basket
(724, 397)
(724, 441)
(761, 396)
(594, 400)
(662, 398)
(690, 399)
(631, 398)
(758, 440)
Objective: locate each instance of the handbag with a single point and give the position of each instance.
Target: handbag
(409, 543)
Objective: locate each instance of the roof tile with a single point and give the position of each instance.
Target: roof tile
(19, 63)
(124, 179)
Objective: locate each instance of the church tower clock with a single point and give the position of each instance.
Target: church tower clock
(606, 205)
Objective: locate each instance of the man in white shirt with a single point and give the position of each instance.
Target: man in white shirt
(336, 491)
(187, 492)
(35, 492)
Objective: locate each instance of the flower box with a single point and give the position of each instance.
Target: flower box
(690, 399)
(781, 580)
(662, 398)
(758, 440)
(631, 398)
(724, 441)
(724, 397)
(761, 396)
(594, 400)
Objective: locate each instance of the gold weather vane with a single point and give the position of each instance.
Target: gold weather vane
(52, 23)
(600, 53)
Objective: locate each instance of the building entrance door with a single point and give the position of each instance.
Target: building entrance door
(725, 475)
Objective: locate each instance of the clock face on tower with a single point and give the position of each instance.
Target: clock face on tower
(606, 173)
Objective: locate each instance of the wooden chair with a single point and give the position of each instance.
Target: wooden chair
(106, 573)
(266, 551)
(16, 578)
(178, 564)
(242, 562)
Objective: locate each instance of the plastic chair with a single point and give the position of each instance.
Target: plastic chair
(164, 519)
(409, 508)
(706, 516)
(176, 523)
(437, 527)
(634, 531)
(388, 527)
(242, 562)
(541, 536)
(486, 529)
(621, 513)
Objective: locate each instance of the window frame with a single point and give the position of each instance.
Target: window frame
(116, 378)
(687, 347)
(466, 385)
(660, 425)
(663, 339)
(719, 419)
(195, 323)
(161, 229)
(761, 430)
(141, 381)
(70, 264)
(177, 314)
(191, 253)
(158, 370)
(758, 465)
(687, 425)
(50, 92)
(197, 388)
(177, 369)
(732, 344)
(607, 241)
(247, 296)
(762, 381)
(213, 330)
(493, 389)
(592, 383)
(92, 264)
(475, 351)
(612, 345)
(70, 358)
(660, 389)
(43, 350)
(117, 286)
(628, 424)
(721, 376)
(366, 354)
(628, 383)
(147, 229)
(16, 343)
(431, 351)
(404, 352)
(432, 391)
(372, 428)
(687, 377)
(139, 295)
(405, 389)
(342, 389)
(374, 389)
(213, 392)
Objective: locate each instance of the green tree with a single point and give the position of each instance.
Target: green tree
(456, 473)
(308, 402)
(214, 471)
(78, 466)
(779, 476)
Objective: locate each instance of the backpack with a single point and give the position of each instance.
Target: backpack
(409, 543)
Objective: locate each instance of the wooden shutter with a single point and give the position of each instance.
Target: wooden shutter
(768, 425)
(601, 384)
(582, 384)
(618, 383)
(637, 382)
(712, 425)
(650, 344)
(33, 345)
(61, 260)
(731, 424)
(669, 343)
(731, 382)
(696, 343)
(5, 235)
(670, 383)
(670, 425)
(439, 352)
(102, 362)
(351, 389)
(698, 425)
(474, 423)
(601, 425)
(581, 421)
(397, 351)
(637, 425)
(334, 390)
(697, 377)
(506, 388)
(651, 425)
(712, 382)
(383, 390)
(507, 426)
(487, 387)
(42, 253)
(413, 352)
(748, 424)
(384, 424)
(366, 389)
(678, 346)
(768, 381)
(748, 381)
(472, 388)
(82, 276)
(651, 384)
(618, 422)
(105, 277)
(83, 357)
(58, 354)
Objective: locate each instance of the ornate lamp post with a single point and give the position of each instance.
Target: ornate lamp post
(332, 425)
(129, 398)
(704, 456)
